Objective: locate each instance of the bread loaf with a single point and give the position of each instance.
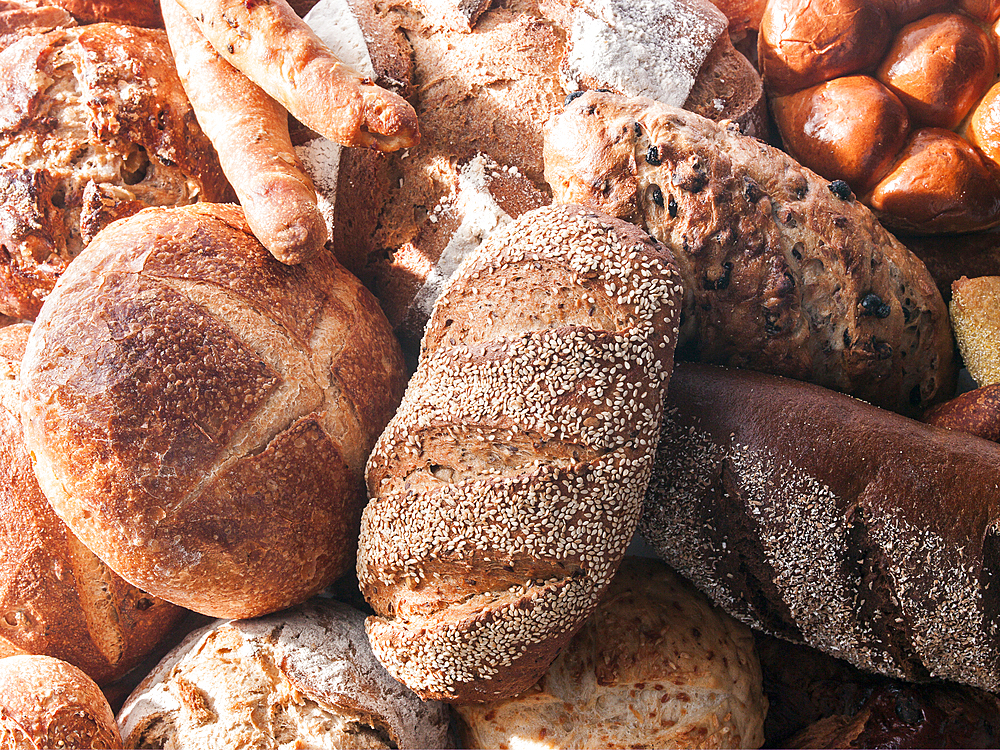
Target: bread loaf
(200, 414)
(301, 678)
(783, 271)
(56, 597)
(505, 489)
(976, 411)
(67, 122)
(655, 665)
(45, 702)
(824, 520)
(975, 318)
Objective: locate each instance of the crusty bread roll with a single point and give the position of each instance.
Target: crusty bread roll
(976, 411)
(200, 414)
(56, 597)
(132, 12)
(783, 271)
(47, 703)
(20, 18)
(824, 520)
(505, 489)
(975, 318)
(56, 140)
(301, 678)
(655, 665)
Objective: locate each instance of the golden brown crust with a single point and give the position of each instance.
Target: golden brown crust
(976, 411)
(250, 133)
(273, 47)
(244, 396)
(504, 490)
(826, 521)
(975, 318)
(781, 274)
(45, 702)
(58, 598)
(151, 147)
(144, 13)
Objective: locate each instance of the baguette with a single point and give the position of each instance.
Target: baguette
(250, 133)
(826, 521)
(506, 489)
(275, 49)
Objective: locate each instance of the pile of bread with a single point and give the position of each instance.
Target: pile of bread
(351, 348)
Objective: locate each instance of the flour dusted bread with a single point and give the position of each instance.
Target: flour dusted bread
(200, 414)
(783, 271)
(824, 520)
(655, 665)
(67, 122)
(56, 597)
(305, 678)
(45, 702)
(505, 489)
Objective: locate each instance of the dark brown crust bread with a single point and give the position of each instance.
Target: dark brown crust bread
(200, 414)
(308, 670)
(45, 702)
(505, 489)
(66, 120)
(976, 412)
(784, 272)
(57, 597)
(824, 520)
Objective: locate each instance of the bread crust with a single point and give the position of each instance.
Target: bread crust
(781, 274)
(826, 521)
(191, 403)
(503, 491)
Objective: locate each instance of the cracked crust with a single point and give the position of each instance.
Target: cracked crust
(190, 402)
(784, 272)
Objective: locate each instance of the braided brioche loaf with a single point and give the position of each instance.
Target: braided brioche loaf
(507, 487)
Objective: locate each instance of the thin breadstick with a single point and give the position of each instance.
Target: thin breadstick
(275, 49)
(250, 132)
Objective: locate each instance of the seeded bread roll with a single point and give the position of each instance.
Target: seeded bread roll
(975, 318)
(200, 414)
(45, 702)
(505, 490)
(56, 597)
(827, 521)
(784, 272)
(655, 665)
(301, 678)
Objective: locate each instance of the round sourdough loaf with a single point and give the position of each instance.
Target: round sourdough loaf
(45, 702)
(655, 665)
(302, 678)
(200, 414)
(56, 597)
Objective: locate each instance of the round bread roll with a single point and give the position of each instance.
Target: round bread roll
(302, 678)
(56, 597)
(200, 414)
(655, 665)
(47, 703)
(976, 411)
(79, 149)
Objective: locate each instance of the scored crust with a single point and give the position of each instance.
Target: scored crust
(784, 272)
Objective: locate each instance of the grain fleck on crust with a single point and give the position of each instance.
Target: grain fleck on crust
(507, 486)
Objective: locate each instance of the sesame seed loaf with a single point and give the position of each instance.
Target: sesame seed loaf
(506, 489)
(784, 272)
(827, 521)
(56, 597)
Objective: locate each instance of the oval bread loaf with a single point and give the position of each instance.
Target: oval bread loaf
(826, 521)
(784, 272)
(56, 597)
(200, 414)
(506, 489)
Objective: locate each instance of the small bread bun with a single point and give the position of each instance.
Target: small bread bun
(47, 703)
(987, 11)
(302, 678)
(200, 414)
(655, 665)
(850, 128)
(939, 67)
(56, 597)
(975, 318)
(939, 183)
(805, 43)
(983, 130)
(976, 412)
(901, 12)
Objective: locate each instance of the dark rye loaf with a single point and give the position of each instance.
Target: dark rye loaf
(826, 521)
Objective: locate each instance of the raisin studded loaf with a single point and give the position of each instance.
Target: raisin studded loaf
(783, 271)
(505, 490)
